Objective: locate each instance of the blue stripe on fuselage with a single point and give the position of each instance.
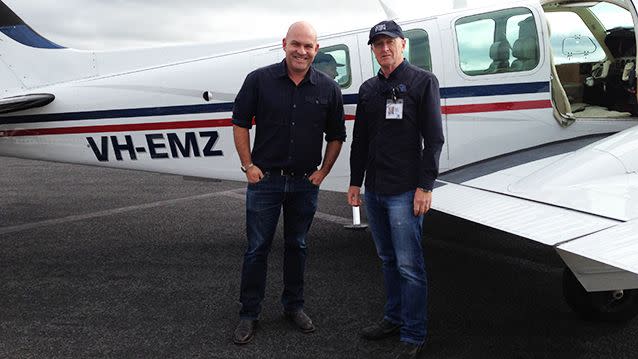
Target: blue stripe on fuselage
(495, 90)
(134, 112)
(348, 99)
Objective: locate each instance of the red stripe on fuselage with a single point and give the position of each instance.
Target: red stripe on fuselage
(227, 122)
(495, 107)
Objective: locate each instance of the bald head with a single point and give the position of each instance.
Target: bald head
(302, 28)
(300, 45)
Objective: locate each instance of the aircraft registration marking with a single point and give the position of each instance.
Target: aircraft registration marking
(156, 145)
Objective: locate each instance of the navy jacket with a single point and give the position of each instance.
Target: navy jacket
(397, 155)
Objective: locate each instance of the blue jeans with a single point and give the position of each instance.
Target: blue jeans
(397, 235)
(264, 201)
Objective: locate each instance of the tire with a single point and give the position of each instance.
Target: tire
(600, 306)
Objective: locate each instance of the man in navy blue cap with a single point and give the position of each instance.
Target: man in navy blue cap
(388, 28)
(396, 146)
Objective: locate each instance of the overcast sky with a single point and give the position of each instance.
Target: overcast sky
(111, 24)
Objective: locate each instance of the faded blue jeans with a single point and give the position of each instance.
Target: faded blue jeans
(397, 235)
(264, 201)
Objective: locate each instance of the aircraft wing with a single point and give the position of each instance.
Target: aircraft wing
(584, 203)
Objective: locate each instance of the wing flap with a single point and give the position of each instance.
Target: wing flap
(540, 222)
(616, 246)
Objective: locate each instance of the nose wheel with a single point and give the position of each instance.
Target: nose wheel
(612, 306)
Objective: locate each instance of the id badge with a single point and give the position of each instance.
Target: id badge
(394, 110)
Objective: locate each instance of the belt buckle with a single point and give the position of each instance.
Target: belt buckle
(293, 173)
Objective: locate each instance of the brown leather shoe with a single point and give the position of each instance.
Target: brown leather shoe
(301, 320)
(380, 330)
(410, 351)
(245, 331)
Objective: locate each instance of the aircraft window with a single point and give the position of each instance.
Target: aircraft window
(512, 27)
(417, 50)
(475, 39)
(497, 42)
(571, 39)
(334, 61)
(612, 16)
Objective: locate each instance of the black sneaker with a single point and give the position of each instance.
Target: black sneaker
(245, 331)
(381, 330)
(410, 351)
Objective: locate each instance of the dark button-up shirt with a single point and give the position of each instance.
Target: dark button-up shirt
(397, 155)
(291, 119)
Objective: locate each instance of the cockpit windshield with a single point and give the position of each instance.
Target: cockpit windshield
(612, 16)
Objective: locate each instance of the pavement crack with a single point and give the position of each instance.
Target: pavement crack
(110, 212)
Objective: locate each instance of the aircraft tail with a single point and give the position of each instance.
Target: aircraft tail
(11, 25)
(30, 61)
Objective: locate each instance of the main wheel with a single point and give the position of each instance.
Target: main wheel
(614, 306)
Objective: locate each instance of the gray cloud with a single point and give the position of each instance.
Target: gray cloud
(107, 24)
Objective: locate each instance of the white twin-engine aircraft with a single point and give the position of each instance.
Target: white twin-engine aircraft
(531, 95)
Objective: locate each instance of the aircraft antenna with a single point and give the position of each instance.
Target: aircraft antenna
(388, 11)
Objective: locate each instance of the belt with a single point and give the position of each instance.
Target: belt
(289, 172)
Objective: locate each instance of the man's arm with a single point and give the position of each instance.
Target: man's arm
(243, 112)
(422, 202)
(359, 146)
(241, 136)
(431, 128)
(330, 157)
(335, 135)
(354, 196)
(358, 153)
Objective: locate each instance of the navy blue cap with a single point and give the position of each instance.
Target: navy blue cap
(387, 27)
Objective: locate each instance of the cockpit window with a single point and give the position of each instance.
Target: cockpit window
(612, 16)
(571, 39)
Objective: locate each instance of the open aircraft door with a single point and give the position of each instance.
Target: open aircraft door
(593, 73)
(629, 5)
(632, 6)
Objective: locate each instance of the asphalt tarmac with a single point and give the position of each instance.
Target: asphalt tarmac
(102, 263)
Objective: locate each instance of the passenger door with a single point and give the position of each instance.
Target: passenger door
(496, 91)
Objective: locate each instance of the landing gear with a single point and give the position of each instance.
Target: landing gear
(612, 306)
(356, 221)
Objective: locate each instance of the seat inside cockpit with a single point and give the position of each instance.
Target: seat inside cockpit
(593, 60)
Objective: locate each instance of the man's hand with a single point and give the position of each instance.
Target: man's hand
(354, 196)
(422, 202)
(317, 177)
(254, 174)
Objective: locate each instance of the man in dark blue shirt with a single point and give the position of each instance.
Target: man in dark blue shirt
(292, 105)
(396, 144)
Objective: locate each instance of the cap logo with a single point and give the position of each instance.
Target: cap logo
(379, 28)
